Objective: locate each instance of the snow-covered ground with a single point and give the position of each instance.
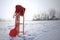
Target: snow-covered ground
(34, 30)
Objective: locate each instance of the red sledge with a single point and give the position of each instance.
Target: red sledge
(18, 12)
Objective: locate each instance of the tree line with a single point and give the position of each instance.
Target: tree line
(49, 15)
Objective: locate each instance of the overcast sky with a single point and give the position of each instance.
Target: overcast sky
(7, 7)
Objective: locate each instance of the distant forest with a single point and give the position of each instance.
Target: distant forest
(49, 15)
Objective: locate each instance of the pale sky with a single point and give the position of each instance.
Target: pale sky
(7, 7)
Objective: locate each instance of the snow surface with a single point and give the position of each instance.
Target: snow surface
(34, 30)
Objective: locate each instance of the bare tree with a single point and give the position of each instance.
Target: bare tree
(52, 13)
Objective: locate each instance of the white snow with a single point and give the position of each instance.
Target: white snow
(34, 30)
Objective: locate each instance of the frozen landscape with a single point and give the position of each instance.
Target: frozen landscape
(34, 30)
